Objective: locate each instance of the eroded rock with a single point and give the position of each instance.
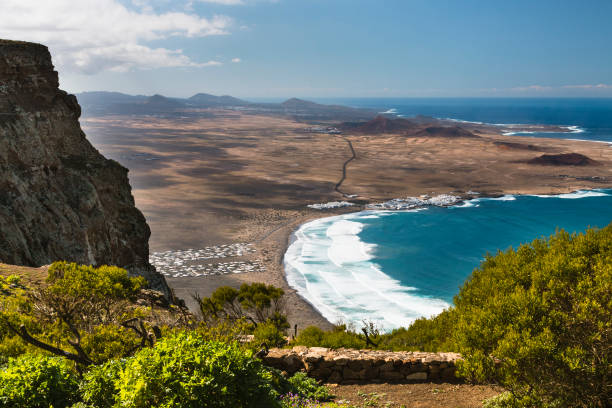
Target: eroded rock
(60, 199)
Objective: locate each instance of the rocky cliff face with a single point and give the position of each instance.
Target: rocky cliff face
(60, 199)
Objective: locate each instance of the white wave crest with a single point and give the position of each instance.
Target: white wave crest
(346, 247)
(351, 287)
(391, 111)
(576, 194)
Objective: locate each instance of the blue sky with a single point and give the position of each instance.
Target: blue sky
(323, 48)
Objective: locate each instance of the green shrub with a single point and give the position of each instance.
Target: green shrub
(13, 303)
(105, 283)
(186, 371)
(109, 342)
(308, 388)
(538, 320)
(434, 334)
(99, 388)
(270, 334)
(257, 303)
(38, 381)
(339, 337)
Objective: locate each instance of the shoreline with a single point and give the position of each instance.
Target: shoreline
(272, 246)
(291, 237)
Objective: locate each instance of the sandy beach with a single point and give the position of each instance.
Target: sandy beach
(246, 179)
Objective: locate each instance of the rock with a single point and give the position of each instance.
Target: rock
(391, 375)
(448, 373)
(350, 366)
(335, 378)
(60, 199)
(417, 376)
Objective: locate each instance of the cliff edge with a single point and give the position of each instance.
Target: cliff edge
(60, 199)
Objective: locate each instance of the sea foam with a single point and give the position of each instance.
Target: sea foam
(333, 269)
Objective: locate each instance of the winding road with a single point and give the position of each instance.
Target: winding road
(353, 157)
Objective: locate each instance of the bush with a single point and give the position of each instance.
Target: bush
(257, 303)
(312, 336)
(186, 371)
(538, 320)
(98, 388)
(38, 381)
(307, 387)
(83, 313)
(434, 334)
(270, 334)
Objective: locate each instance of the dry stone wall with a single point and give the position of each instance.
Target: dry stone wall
(345, 366)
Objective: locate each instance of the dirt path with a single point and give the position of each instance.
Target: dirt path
(422, 395)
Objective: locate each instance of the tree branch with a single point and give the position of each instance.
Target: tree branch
(23, 333)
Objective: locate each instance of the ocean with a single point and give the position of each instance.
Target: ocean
(591, 118)
(391, 267)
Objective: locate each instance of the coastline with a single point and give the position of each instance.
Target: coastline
(224, 180)
(290, 233)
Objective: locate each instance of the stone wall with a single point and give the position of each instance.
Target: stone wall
(344, 366)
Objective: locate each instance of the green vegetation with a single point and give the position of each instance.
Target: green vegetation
(112, 352)
(258, 304)
(82, 313)
(38, 381)
(536, 320)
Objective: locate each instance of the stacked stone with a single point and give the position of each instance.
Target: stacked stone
(345, 366)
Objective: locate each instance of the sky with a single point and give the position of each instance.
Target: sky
(323, 48)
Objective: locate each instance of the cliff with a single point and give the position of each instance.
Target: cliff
(60, 199)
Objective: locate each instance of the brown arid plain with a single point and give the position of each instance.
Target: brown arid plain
(233, 177)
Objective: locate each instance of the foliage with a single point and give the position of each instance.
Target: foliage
(98, 388)
(257, 303)
(185, 371)
(101, 284)
(14, 300)
(38, 381)
(503, 400)
(270, 334)
(308, 387)
(538, 320)
(108, 342)
(433, 334)
(422, 335)
(313, 336)
(83, 313)
(291, 400)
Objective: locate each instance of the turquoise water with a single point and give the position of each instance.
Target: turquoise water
(393, 267)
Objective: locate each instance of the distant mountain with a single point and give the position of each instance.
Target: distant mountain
(161, 102)
(295, 103)
(208, 100)
(115, 103)
(109, 97)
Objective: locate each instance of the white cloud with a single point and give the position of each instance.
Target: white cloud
(537, 88)
(224, 2)
(236, 60)
(546, 88)
(90, 36)
(598, 86)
